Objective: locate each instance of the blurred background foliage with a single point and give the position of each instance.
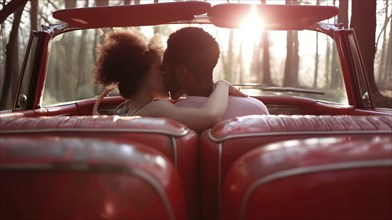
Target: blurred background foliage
(370, 18)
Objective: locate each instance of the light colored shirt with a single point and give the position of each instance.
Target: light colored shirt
(237, 106)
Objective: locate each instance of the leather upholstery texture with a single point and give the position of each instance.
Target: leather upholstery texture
(317, 178)
(222, 145)
(174, 140)
(73, 178)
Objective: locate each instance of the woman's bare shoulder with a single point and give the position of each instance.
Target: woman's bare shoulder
(160, 103)
(156, 108)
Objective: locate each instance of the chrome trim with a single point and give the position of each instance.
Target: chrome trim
(29, 167)
(175, 154)
(55, 29)
(150, 180)
(307, 170)
(85, 130)
(281, 133)
(161, 192)
(220, 148)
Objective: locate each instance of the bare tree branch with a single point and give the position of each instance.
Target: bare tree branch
(10, 8)
(383, 29)
(53, 5)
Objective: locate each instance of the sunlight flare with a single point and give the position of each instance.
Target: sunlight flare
(253, 20)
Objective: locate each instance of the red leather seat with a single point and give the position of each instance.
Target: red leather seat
(320, 178)
(178, 143)
(73, 178)
(228, 140)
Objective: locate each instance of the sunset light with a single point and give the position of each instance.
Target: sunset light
(252, 21)
(195, 109)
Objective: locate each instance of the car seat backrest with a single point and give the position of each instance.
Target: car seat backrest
(316, 178)
(230, 139)
(73, 178)
(178, 143)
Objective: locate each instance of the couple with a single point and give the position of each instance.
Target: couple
(145, 72)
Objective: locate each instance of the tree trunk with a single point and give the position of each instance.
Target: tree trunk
(229, 64)
(343, 13)
(82, 74)
(327, 62)
(363, 21)
(34, 14)
(240, 65)
(256, 63)
(70, 3)
(289, 57)
(330, 66)
(292, 58)
(102, 2)
(156, 28)
(266, 69)
(12, 62)
(388, 69)
(69, 47)
(99, 38)
(296, 59)
(10, 8)
(335, 74)
(266, 60)
(316, 61)
(382, 65)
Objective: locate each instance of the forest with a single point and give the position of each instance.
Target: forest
(371, 20)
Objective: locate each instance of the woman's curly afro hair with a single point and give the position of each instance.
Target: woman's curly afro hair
(124, 59)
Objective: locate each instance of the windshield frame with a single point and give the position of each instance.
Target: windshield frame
(202, 23)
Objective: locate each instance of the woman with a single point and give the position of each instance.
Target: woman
(126, 60)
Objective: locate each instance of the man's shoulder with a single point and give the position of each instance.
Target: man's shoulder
(247, 104)
(248, 99)
(237, 106)
(191, 101)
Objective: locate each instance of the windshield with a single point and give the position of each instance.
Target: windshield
(262, 63)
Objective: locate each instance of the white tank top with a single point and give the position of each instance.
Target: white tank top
(237, 106)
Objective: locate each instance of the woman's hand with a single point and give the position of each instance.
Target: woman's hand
(233, 91)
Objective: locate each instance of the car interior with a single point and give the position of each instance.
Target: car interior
(69, 156)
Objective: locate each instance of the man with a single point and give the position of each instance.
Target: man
(188, 65)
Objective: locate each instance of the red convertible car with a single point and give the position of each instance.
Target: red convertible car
(324, 152)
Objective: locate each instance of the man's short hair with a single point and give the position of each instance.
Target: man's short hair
(194, 48)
